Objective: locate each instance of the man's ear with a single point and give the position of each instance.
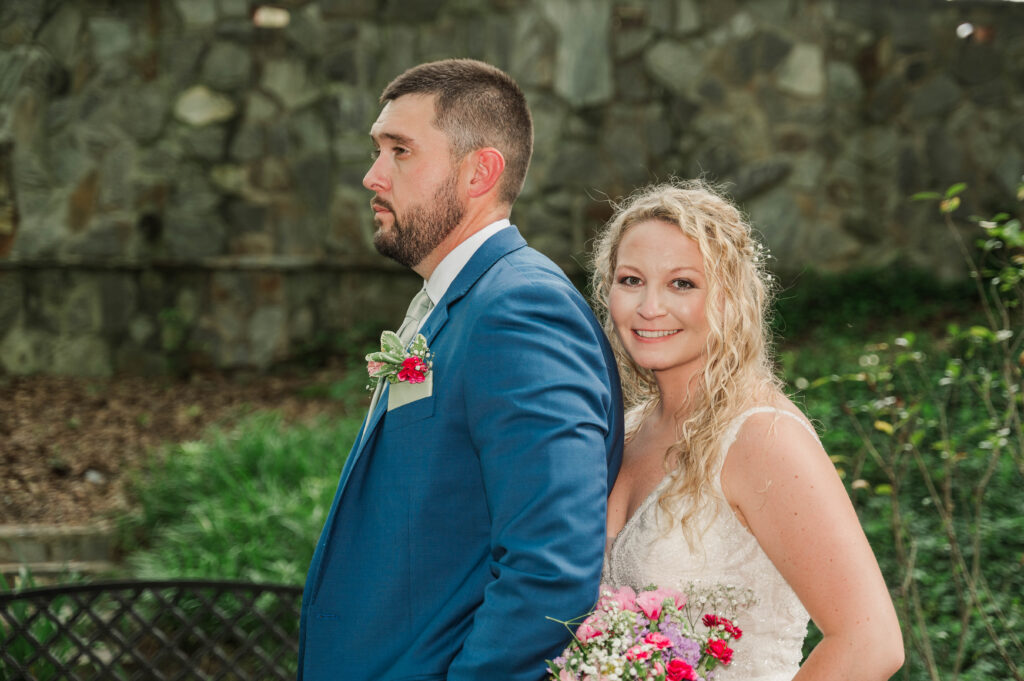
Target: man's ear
(488, 167)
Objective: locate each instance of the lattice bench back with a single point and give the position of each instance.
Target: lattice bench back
(173, 630)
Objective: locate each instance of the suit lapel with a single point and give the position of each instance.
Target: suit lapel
(490, 252)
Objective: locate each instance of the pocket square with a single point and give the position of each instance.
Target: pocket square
(403, 392)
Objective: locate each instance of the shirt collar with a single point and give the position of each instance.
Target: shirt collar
(448, 269)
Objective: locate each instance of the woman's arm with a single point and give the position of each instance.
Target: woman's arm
(785, 489)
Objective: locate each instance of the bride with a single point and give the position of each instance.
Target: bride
(724, 481)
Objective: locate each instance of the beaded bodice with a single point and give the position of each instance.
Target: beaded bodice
(652, 549)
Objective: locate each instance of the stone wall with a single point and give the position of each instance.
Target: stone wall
(180, 187)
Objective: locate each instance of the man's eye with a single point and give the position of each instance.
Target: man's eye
(401, 151)
(375, 154)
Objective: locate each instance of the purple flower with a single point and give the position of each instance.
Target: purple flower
(683, 647)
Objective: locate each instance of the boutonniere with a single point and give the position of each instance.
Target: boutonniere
(394, 364)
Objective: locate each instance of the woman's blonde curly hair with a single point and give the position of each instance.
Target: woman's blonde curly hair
(738, 369)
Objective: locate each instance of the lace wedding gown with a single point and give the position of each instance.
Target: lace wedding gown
(773, 627)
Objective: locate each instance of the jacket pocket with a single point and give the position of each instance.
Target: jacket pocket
(409, 413)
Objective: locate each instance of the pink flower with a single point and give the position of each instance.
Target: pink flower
(658, 640)
(719, 649)
(413, 370)
(678, 597)
(651, 603)
(680, 670)
(587, 632)
(373, 368)
(625, 597)
(638, 653)
(566, 675)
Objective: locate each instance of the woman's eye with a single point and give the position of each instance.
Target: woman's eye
(682, 283)
(629, 280)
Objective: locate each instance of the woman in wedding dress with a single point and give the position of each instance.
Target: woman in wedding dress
(724, 481)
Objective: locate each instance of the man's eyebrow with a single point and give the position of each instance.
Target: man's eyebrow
(393, 137)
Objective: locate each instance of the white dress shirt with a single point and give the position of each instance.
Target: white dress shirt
(448, 269)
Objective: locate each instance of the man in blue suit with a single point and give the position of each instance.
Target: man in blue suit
(472, 505)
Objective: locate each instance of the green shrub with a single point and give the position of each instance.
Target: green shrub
(244, 503)
(928, 435)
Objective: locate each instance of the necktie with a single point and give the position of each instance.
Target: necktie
(418, 309)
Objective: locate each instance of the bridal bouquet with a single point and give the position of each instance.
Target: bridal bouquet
(651, 635)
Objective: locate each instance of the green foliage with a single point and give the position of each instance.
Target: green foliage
(817, 306)
(927, 432)
(245, 503)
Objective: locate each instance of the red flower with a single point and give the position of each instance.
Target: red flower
(719, 649)
(680, 670)
(413, 370)
(712, 621)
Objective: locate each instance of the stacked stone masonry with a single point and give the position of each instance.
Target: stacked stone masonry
(181, 187)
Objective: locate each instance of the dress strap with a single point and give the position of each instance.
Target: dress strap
(734, 429)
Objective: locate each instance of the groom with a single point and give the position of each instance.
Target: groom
(472, 505)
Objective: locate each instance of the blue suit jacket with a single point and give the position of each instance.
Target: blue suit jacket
(465, 517)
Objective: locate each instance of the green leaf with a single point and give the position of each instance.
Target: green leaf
(956, 189)
(391, 343)
(926, 196)
(981, 332)
(386, 357)
(419, 346)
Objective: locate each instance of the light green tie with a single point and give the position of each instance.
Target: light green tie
(419, 307)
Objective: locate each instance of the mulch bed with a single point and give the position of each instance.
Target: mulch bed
(68, 445)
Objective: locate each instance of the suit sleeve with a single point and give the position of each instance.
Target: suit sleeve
(538, 407)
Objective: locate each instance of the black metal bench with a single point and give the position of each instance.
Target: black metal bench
(167, 630)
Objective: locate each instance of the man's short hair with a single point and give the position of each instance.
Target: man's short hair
(477, 106)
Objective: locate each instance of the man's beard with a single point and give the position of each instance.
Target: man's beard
(422, 228)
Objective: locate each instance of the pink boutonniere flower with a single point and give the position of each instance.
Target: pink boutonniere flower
(394, 364)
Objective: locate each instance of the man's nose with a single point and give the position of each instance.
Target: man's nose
(375, 179)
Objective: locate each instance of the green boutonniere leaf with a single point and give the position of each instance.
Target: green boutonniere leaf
(391, 344)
